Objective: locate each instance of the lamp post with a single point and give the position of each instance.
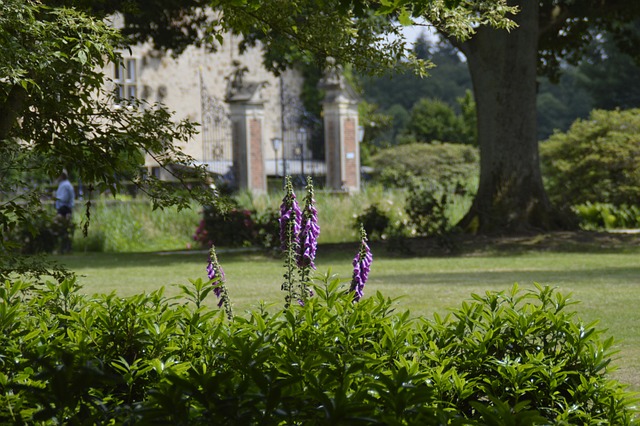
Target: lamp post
(282, 129)
(302, 140)
(276, 143)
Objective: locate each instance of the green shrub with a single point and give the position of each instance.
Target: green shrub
(374, 221)
(427, 211)
(238, 227)
(43, 233)
(232, 228)
(435, 120)
(435, 163)
(597, 216)
(336, 212)
(597, 160)
(505, 358)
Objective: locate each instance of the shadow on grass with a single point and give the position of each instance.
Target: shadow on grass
(150, 259)
(407, 248)
(609, 276)
(473, 245)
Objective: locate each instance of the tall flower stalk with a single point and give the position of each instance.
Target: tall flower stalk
(290, 218)
(217, 278)
(308, 240)
(361, 267)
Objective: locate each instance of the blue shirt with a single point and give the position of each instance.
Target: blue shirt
(65, 195)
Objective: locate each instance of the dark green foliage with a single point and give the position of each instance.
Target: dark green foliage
(434, 120)
(505, 358)
(436, 163)
(232, 228)
(268, 229)
(374, 221)
(447, 81)
(597, 160)
(43, 234)
(610, 71)
(426, 208)
(560, 104)
(238, 227)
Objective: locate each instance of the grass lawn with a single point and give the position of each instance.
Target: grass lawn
(605, 282)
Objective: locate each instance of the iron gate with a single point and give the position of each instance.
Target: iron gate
(217, 144)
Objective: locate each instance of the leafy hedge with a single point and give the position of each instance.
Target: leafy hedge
(439, 163)
(597, 160)
(516, 357)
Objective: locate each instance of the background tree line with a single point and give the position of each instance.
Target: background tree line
(405, 108)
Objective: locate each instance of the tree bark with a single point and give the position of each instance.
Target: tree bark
(511, 196)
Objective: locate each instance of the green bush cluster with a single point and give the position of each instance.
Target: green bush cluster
(435, 163)
(374, 221)
(237, 227)
(435, 120)
(597, 160)
(595, 216)
(43, 233)
(504, 358)
(430, 209)
(427, 211)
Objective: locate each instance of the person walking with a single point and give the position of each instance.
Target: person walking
(65, 198)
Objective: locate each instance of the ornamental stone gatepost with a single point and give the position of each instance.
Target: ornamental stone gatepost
(342, 151)
(246, 108)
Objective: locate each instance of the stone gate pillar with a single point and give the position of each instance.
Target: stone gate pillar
(246, 108)
(342, 151)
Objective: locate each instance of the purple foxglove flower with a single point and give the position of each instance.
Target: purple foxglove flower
(361, 267)
(289, 211)
(214, 270)
(309, 238)
(310, 230)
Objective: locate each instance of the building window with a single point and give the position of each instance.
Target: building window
(126, 80)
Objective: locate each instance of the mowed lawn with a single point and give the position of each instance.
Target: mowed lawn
(606, 284)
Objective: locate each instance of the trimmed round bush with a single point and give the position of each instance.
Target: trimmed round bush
(440, 163)
(597, 160)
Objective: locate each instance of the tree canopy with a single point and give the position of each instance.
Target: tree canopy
(56, 112)
(366, 34)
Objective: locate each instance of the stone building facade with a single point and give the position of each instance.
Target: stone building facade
(194, 86)
(210, 87)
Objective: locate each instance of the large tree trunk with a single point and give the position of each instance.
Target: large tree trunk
(511, 196)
